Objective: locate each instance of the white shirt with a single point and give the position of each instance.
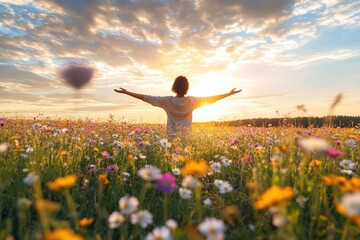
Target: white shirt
(178, 109)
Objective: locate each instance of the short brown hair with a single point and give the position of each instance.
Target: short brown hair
(180, 86)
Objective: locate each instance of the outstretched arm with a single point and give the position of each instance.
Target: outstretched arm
(215, 98)
(132, 94)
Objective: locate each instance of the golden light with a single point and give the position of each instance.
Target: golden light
(212, 112)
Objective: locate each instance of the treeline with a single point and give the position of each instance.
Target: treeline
(333, 121)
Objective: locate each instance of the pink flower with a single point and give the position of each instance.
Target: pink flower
(2, 123)
(166, 183)
(106, 155)
(234, 141)
(331, 152)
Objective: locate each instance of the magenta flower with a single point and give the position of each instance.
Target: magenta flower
(331, 152)
(166, 183)
(2, 123)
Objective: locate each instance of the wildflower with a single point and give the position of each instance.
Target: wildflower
(176, 171)
(218, 182)
(226, 162)
(216, 166)
(86, 221)
(246, 158)
(164, 143)
(212, 228)
(64, 130)
(31, 178)
(95, 149)
(115, 220)
(274, 195)
(141, 156)
(225, 187)
(2, 123)
(351, 204)
(346, 171)
(302, 200)
(62, 183)
(112, 168)
(106, 155)
(188, 149)
(131, 158)
(279, 220)
(185, 193)
(126, 176)
(29, 150)
(234, 141)
(331, 152)
(195, 168)
(190, 182)
(143, 218)
(149, 173)
(207, 202)
(177, 150)
(347, 164)
(59, 234)
(4, 146)
(128, 204)
(314, 163)
(314, 144)
(172, 224)
(350, 143)
(231, 213)
(159, 233)
(103, 178)
(93, 168)
(63, 153)
(166, 183)
(47, 206)
(251, 227)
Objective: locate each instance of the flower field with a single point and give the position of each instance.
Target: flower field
(66, 179)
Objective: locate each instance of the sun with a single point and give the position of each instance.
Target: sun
(212, 112)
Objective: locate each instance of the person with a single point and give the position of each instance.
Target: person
(179, 108)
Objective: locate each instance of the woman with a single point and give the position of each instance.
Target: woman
(178, 109)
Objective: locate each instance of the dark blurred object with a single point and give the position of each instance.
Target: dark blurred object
(77, 75)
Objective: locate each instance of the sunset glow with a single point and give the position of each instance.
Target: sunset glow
(282, 54)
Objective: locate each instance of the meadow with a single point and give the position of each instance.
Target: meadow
(85, 179)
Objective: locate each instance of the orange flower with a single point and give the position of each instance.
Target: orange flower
(274, 195)
(103, 178)
(314, 163)
(131, 158)
(62, 234)
(86, 221)
(47, 206)
(15, 137)
(62, 183)
(195, 168)
(63, 153)
(96, 149)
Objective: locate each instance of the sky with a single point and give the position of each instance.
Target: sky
(282, 54)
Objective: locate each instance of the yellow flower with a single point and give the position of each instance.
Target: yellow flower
(274, 195)
(86, 221)
(62, 234)
(103, 178)
(96, 149)
(62, 183)
(195, 168)
(131, 157)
